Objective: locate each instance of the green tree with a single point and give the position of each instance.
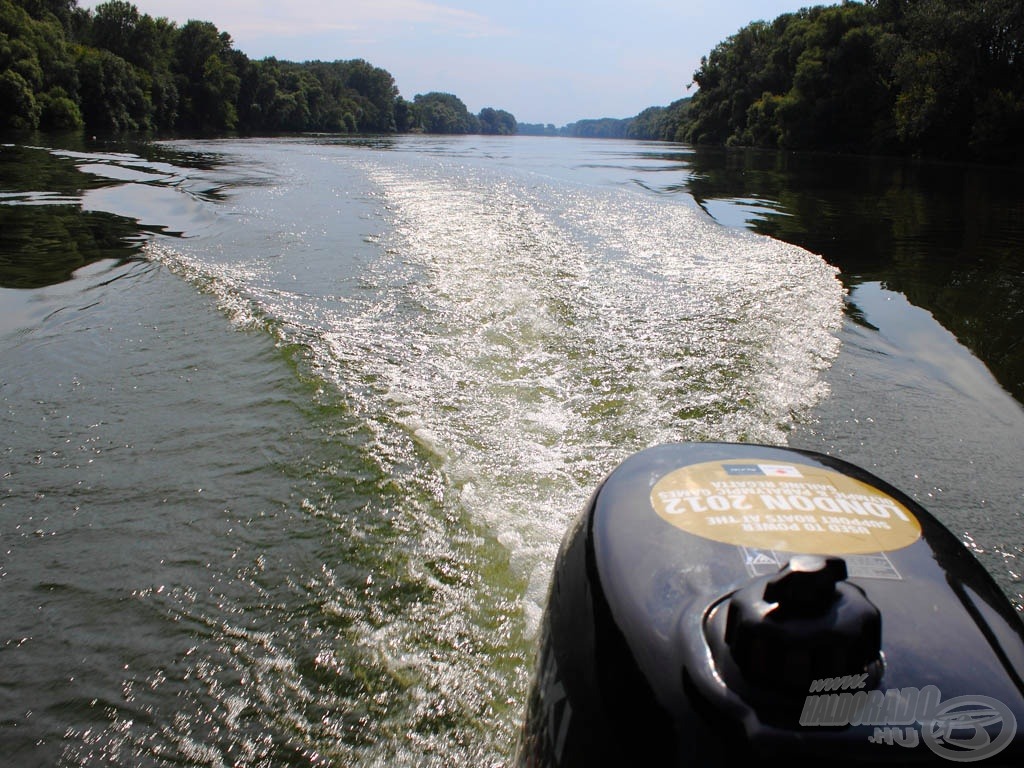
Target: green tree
(113, 28)
(145, 43)
(163, 86)
(34, 58)
(443, 113)
(113, 96)
(376, 92)
(659, 123)
(602, 128)
(960, 78)
(18, 107)
(536, 129)
(116, 68)
(403, 114)
(497, 122)
(736, 73)
(207, 84)
(58, 111)
(935, 77)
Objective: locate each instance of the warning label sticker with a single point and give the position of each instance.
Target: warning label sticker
(783, 507)
(763, 562)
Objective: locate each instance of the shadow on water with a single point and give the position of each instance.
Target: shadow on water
(949, 237)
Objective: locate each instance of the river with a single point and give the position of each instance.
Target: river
(293, 428)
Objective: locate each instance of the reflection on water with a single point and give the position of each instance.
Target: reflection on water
(43, 244)
(62, 210)
(910, 332)
(949, 237)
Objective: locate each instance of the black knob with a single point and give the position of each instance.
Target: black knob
(806, 585)
(805, 622)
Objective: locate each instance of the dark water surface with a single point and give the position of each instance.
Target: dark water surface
(293, 428)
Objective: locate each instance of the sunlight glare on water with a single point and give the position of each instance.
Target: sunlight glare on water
(538, 336)
(295, 427)
(495, 343)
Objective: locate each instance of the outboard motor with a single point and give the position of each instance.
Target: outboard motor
(721, 602)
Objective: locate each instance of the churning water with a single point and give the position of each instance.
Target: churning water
(285, 487)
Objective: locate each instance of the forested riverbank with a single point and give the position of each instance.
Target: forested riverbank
(114, 69)
(932, 77)
(936, 78)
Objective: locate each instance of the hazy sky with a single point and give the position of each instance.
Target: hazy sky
(542, 60)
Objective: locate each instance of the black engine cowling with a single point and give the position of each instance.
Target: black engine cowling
(717, 602)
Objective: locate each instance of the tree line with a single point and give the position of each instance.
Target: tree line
(937, 78)
(912, 77)
(116, 69)
(927, 77)
(659, 123)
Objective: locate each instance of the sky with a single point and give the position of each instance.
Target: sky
(545, 61)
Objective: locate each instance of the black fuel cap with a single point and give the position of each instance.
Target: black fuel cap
(804, 623)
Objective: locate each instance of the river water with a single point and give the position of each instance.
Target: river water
(293, 428)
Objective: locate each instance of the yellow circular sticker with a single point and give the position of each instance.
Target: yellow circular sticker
(783, 506)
